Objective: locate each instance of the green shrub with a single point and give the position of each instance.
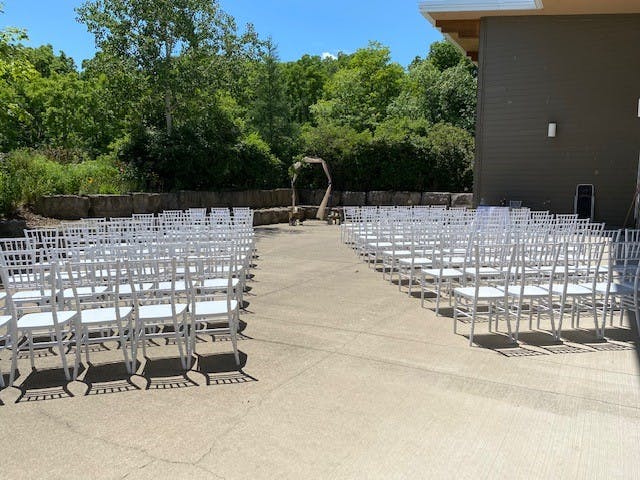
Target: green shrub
(452, 150)
(102, 175)
(25, 176)
(402, 154)
(33, 175)
(9, 193)
(255, 166)
(207, 156)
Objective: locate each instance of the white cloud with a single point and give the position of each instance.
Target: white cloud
(326, 55)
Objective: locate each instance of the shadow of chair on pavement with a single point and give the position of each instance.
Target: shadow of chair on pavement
(502, 344)
(108, 378)
(44, 384)
(221, 369)
(166, 373)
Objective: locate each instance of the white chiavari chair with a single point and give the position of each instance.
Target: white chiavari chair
(212, 310)
(41, 324)
(103, 315)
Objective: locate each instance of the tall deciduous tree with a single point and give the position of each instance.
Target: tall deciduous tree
(15, 72)
(170, 41)
(358, 95)
(304, 80)
(269, 110)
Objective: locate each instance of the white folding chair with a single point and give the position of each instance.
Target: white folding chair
(211, 310)
(160, 311)
(43, 324)
(487, 293)
(103, 316)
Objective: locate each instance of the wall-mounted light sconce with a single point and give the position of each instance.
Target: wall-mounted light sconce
(639, 108)
(551, 132)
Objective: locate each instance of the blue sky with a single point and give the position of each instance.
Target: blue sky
(296, 26)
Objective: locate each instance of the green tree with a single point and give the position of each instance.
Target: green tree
(457, 97)
(48, 63)
(69, 113)
(444, 55)
(15, 73)
(304, 82)
(170, 41)
(269, 111)
(358, 94)
(448, 95)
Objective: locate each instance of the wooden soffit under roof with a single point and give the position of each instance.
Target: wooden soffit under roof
(459, 20)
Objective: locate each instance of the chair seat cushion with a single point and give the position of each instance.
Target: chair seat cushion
(483, 292)
(573, 289)
(44, 319)
(416, 261)
(4, 319)
(397, 253)
(211, 308)
(483, 271)
(85, 291)
(528, 291)
(32, 295)
(219, 283)
(380, 244)
(442, 273)
(162, 311)
(104, 315)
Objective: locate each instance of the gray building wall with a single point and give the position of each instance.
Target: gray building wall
(582, 72)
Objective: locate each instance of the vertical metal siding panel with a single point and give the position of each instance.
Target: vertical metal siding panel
(477, 167)
(582, 72)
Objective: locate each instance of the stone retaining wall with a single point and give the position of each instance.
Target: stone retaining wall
(73, 207)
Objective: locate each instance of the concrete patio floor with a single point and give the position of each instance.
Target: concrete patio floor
(345, 377)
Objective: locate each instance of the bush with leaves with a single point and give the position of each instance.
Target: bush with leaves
(402, 154)
(25, 176)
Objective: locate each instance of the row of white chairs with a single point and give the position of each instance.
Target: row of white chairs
(73, 292)
(502, 263)
(128, 302)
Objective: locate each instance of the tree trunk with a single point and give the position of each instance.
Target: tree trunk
(167, 112)
(168, 115)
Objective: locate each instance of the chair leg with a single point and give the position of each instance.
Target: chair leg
(63, 357)
(31, 354)
(14, 361)
(601, 328)
(233, 326)
(473, 321)
(128, 364)
(556, 332)
(455, 314)
(193, 336)
(143, 338)
(134, 345)
(76, 365)
(86, 347)
(179, 337)
(519, 314)
(507, 315)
